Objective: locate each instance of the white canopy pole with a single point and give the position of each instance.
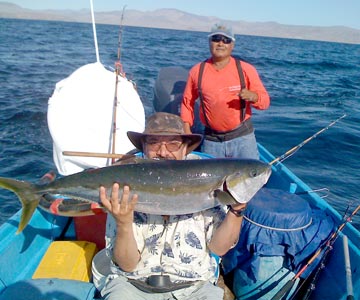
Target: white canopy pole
(94, 30)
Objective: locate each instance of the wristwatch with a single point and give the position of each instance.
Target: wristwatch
(239, 213)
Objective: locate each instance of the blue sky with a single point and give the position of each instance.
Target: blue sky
(292, 12)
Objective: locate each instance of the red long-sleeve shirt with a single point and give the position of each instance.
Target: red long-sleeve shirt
(220, 90)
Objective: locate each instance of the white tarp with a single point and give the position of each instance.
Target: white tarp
(80, 114)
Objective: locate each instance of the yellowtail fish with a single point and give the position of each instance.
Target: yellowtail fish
(164, 187)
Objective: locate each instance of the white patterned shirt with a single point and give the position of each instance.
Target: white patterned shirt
(177, 248)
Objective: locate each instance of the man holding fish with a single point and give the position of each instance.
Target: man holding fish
(162, 256)
(166, 234)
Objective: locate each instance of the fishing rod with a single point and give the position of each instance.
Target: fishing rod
(325, 247)
(118, 64)
(322, 265)
(290, 152)
(118, 71)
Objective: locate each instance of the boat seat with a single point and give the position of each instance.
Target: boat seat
(50, 288)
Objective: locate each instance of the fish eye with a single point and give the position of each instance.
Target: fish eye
(253, 173)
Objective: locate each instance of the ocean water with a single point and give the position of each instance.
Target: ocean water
(310, 83)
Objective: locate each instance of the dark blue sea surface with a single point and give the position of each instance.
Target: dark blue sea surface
(310, 83)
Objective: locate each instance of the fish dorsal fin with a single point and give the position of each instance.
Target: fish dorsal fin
(127, 159)
(47, 178)
(133, 159)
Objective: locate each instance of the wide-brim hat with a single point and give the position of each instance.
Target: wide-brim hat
(164, 124)
(222, 29)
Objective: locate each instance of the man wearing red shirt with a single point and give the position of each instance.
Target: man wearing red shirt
(225, 102)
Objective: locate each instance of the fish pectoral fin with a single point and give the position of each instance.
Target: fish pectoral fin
(224, 197)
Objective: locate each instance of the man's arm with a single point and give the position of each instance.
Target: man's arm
(125, 252)
(227, 234)
(189, 97)
(258, 96)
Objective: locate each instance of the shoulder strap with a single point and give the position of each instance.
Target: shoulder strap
(241, 74)
(242, 85)
(201, 97)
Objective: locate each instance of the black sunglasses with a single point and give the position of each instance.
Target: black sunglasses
(217, 38)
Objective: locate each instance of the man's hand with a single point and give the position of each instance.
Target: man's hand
(121, 209)
(248, 95)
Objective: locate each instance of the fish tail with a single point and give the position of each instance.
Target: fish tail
(27, 195)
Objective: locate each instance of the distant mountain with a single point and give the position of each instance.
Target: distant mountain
(176, 19)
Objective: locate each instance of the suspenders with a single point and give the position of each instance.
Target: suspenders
(242, 84)
(201, 72)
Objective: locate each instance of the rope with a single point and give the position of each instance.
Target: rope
(278, 229)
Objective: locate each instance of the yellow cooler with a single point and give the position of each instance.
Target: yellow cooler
(67, 260)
